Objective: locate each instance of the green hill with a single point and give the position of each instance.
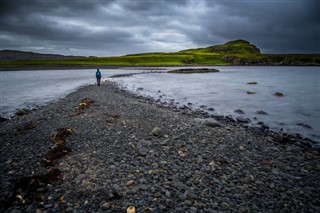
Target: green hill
(238, 52)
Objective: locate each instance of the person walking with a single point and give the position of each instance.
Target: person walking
(98, 76)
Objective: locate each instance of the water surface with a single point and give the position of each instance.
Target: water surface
(226, 92)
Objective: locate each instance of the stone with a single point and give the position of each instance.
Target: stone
(106, 205)
(22, 112)
(2, 119)
(278, 94)
(157, 132)
(130, 182)
(143, 147)
(131, 209)
(239, 111)
(69, 209)
(242, 119)
(9, 161)
(253, 82)
(261, 112)
(183, 197)
(304, 125)
(199, 159)
(168, 194)
(211, 122)
(116, 189)
(251, 93)
(225, 205)
(241, 147)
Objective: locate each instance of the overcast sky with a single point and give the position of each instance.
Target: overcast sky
(119, 27)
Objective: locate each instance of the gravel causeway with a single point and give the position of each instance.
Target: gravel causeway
(101, 149)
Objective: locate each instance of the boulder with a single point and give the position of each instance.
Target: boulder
(22, 112)
(278, 94)
(3, 119)
(239, 111)
(304, 125)
(251, 93)
(208, 122)
(260, 112)
(243, 119)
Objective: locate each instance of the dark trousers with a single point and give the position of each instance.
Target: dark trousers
(98, 81)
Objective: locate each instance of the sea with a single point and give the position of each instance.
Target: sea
(296, 112)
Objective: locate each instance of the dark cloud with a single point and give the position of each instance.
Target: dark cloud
(118, 27)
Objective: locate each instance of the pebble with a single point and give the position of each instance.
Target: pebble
(106, 205)
(116, 161)
(225, 206)
(130, 182)
(157, 132)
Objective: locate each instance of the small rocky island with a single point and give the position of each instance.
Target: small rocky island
(187, 71)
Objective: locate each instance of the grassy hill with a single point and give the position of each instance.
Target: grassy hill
(238, 52)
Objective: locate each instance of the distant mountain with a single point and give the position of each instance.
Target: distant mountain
(9, 55)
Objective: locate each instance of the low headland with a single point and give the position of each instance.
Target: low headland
(102, 149)
(234, 53)
(194, 70)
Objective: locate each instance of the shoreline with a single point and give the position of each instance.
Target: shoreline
(28, 68)
(130, 151)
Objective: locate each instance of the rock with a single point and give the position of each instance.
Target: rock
(22, 112)
(2, 119)
(105, 205)
(239, 111)
(47, 206)
(116, 189)
(251, 93)
(278, 94)
(130, 182)
(208, 122)
(199, 159)
(225, 206)
(242, 119)
(143, 181)
(168, 194)
(260, 112)
(304, 125)
(241, 147)
(253, 82)
(69, 209)
(157, 132)
(15, 211)
(131, 209)
(9, 161)
(210, 109)
(183, 197)
(143, 147)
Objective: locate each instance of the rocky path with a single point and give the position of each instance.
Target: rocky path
(103, 150)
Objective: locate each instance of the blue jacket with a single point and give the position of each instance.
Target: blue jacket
(98, 74)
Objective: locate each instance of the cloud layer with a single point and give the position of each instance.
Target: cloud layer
(118, 27)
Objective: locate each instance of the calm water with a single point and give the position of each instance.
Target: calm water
(20, 89)
(225, 91)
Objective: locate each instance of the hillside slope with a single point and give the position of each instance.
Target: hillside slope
(238, 52)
